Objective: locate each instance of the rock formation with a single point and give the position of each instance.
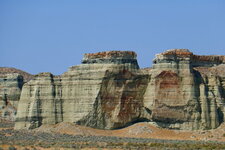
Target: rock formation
(109, 91)
(11, 82)
(179, 96)
(105, 91)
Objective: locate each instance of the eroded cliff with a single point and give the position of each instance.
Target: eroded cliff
(180, 96)
(109, 91)
(105, 91)
(11, 82)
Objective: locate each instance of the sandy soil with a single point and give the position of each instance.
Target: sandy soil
(138, 130)
(68, 136)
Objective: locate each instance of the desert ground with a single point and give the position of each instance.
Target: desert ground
(141, 135)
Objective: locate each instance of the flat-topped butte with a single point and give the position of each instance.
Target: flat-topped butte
(106, 91)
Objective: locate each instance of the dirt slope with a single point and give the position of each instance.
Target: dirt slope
(139, 130)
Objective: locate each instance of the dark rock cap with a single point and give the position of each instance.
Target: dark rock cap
(180, 52)
(111, 55)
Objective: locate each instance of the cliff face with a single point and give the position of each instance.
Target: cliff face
(180, 96)
(97, 94)
(108, 91)
(10, 88)
(11, 82)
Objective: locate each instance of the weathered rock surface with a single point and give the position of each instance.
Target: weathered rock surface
(180, 97)
(11, 82)
(7, 70)
(109, 91)
(97, 94)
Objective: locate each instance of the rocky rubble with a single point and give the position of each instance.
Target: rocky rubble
(109, 91)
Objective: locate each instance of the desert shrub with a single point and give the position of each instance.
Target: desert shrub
(12, 148)
(33, 148)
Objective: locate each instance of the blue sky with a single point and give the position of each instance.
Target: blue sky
(52, 35)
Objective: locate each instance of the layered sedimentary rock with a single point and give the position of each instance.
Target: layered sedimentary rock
(106, 91)
(11, 82)
(179, 96)
(8, 70)
(109, 91)
(10, 88)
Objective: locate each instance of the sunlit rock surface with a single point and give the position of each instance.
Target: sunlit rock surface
(179, 96)
(102, 95)
(11, 82)
(109, 91)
